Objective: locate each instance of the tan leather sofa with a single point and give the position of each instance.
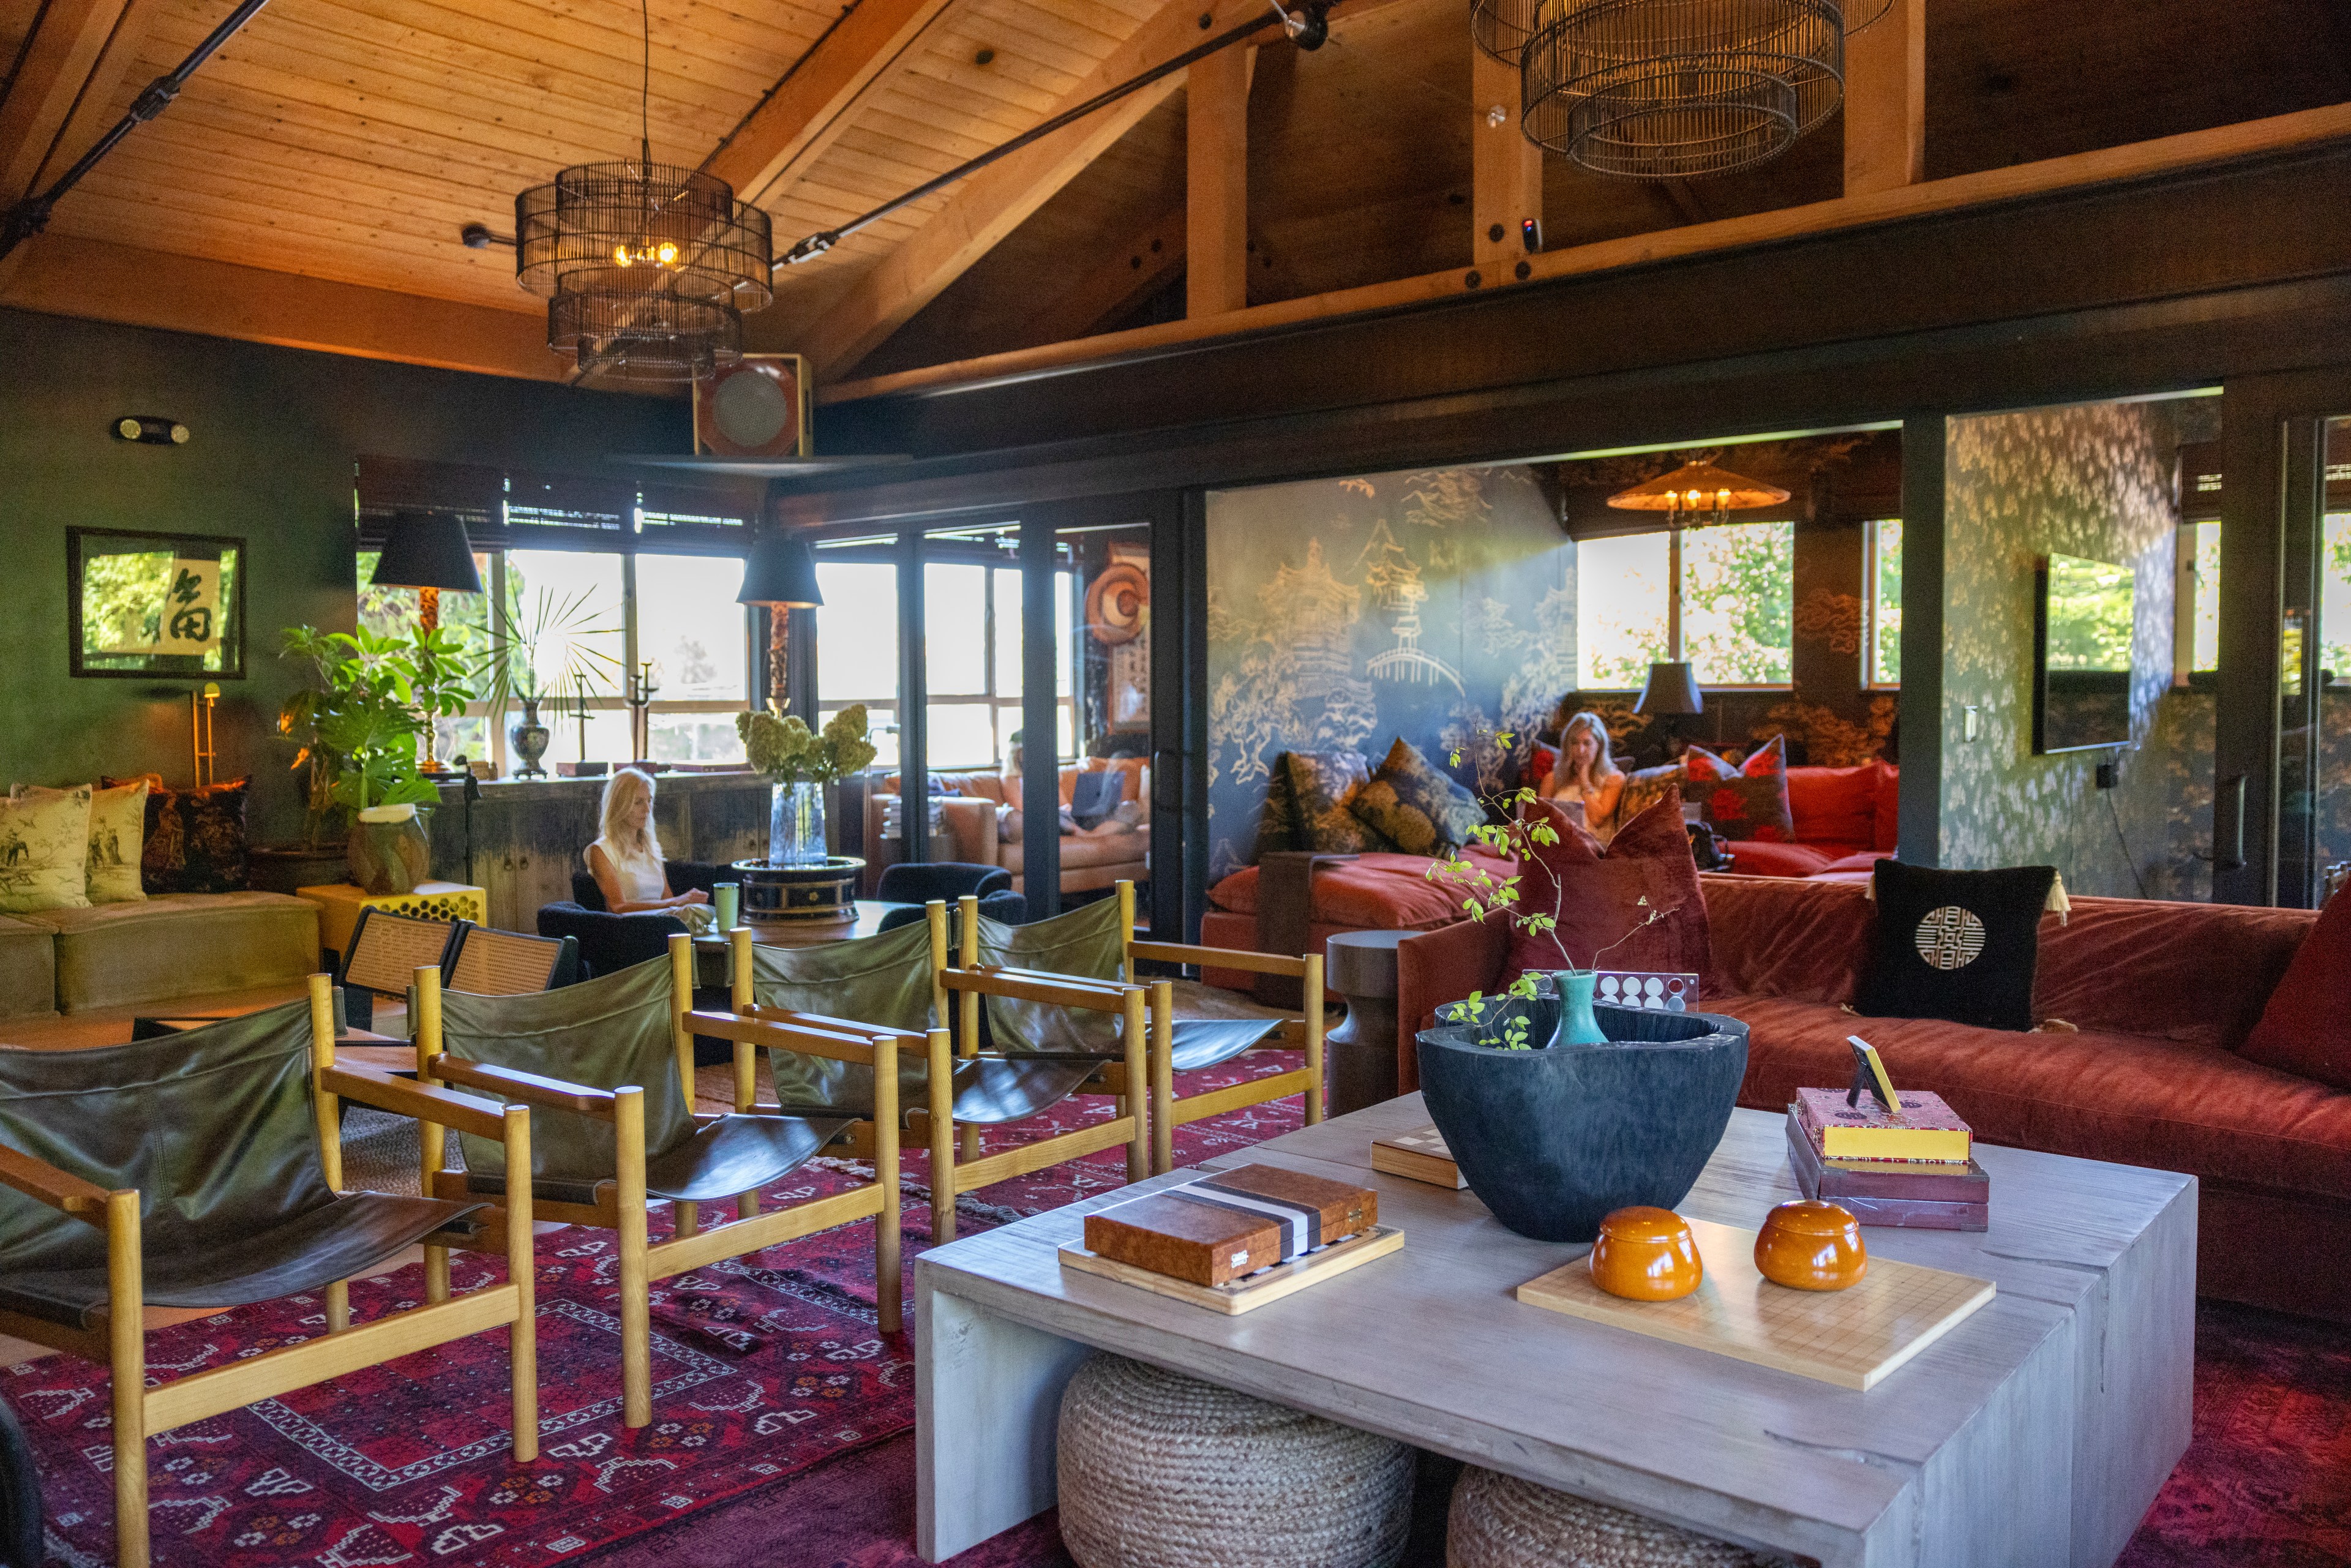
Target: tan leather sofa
(976, 829)
(174, 945)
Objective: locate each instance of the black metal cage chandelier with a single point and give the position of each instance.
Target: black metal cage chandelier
(646, 267)
(1659, 89)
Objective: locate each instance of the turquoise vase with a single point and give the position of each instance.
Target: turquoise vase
(1576, 1024)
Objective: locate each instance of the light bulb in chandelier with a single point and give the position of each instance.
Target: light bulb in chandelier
(664, 254)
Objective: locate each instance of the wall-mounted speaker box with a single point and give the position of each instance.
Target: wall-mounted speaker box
(757, 407)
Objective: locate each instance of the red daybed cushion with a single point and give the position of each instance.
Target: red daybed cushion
(1836, 805)
(2306, 1027)
(1370, 893)
(1609, 891)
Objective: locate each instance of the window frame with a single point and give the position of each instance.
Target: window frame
(1677, 641)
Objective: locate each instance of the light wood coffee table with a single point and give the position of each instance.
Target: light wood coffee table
(2035, 1433)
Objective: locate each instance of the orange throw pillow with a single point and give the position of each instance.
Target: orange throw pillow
(2305, 1030)
(1597, 891)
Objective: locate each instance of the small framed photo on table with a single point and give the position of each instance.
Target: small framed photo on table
(143, 604)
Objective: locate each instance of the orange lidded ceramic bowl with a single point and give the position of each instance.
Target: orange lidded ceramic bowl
(1811, 1246)
(1646, 1254)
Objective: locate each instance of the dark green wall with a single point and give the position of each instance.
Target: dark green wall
(275, 434)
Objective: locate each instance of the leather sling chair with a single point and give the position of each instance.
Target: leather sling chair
(606, 1067)
(900, 981)
(204, 1170)
(1097, 942)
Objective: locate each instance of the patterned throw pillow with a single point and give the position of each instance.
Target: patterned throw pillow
(1324, 784)
(1420, 809)
(44, 848)
(1746, 801)
(1277, 824)
(1647, 788)
(195, 838)
(118, 825)
(1957, 944)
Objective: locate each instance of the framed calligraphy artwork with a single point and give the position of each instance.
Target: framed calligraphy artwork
(144, 605)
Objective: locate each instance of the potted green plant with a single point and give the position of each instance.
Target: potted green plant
(358, 727)
(797, 763)
(543, 643)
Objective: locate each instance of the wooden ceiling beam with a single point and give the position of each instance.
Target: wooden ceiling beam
(67, 276)
(1886, 101)
(2214, 148)
(1152, 255)
(61, 62)
(1505, 172)
(806, 111)
(991, 204)
(1215, 183)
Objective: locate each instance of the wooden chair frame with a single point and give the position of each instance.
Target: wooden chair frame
(141, 1411)
(621, 1203)
(1304, 1031)
(956, 1165)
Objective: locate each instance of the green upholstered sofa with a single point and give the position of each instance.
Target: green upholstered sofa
(173, 945)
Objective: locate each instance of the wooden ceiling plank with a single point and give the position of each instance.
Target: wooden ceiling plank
(259, 230)
(983, 209)
(770, 34)
(2276, 134)
(64, 52)
(812, 106)
(275, 186)
(1506, 170)
(69, 276)
(1215, 183)
(1152, 255)
(116, 79)
(683, 61)
(1886, 101)
(226, 131)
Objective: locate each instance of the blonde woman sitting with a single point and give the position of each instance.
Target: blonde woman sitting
(1586, 775)
(626, 858)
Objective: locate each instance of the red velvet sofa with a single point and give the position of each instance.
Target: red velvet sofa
(1845, 820)
(2159, 997)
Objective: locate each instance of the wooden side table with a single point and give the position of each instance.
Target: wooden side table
(1359, 1057)
(339, 903)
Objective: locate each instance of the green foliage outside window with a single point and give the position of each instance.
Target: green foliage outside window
(1885, 602)
(1738, 603)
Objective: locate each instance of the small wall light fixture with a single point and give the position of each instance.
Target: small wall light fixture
(152, 429)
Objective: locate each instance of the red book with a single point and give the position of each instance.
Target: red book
(1926, 1129)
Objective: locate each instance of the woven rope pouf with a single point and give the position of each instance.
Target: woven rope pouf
(1500, 1521)
(1160, 1470)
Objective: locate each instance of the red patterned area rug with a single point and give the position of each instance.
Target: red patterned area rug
(763, 1366)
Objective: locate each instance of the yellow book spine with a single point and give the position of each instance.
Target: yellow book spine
(1943, 1143)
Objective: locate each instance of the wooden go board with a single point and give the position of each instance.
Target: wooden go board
(1854, 1338)
(1258, 1289)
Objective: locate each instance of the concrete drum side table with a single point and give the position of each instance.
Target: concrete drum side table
(1359, 1061)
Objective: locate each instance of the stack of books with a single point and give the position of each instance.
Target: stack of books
(1914, 1168)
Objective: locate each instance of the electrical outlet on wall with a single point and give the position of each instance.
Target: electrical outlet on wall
(1971, 723)
(2106, 775)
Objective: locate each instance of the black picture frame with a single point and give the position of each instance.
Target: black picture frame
(84, 546)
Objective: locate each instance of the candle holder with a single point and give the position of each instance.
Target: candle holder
(641, 687)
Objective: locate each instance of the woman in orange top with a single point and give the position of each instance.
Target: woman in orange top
(1586, 775)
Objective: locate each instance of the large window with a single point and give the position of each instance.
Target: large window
(677, 613)
(1730, 609)
(1883, 648)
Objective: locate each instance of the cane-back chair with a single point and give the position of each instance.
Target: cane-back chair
(900, 979)
(606, 1067)
(204, 1170)
(1098, 942)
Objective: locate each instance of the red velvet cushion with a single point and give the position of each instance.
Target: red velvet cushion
(1889, 808)
(1851, 862)
(1756, 857)
(2096, 1095)
(1595, 889)
(1370, 893)
(1835, 805)
(2306, 1028)
(1775, 937)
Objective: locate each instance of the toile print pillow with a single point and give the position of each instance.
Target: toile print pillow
(1421, 809)
(1955, 944)
(1749, 800)
(44, 849)
(1277, 823)
(1323, 785)
(195, 838)
(1647, 786)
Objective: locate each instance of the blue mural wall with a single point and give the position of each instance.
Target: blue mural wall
(1438, 605)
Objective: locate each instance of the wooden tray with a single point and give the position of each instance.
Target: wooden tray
(1246, 1295)
(1852, 1338)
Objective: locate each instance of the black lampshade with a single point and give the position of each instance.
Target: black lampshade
(1671, 688)
(780, 571)
(427, 550)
